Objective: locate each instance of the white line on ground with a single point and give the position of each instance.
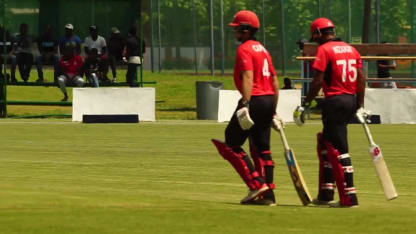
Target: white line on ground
(159, 122)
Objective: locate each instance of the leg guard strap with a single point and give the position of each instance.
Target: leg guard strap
(327, 186)
(350, 190)
(348, 169)
(269, 163)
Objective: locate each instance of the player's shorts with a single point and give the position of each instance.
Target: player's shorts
(337, 112)
(261, 110)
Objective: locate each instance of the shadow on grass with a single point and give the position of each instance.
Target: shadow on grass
(256, 205)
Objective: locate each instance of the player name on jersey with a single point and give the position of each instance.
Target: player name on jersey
(259, 48)
(342, 49)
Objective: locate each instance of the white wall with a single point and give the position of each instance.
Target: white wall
(288, 101)
(107, 101)
(393, 105)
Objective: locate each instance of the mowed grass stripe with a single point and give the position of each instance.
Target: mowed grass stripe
(168, 178)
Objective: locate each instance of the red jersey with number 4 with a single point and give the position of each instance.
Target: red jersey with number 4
(252, 56)
(71, 66)
(340, 62)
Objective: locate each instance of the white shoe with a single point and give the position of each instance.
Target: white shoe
(254, 193)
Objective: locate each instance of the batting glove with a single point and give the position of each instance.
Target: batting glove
(300, 111)
(244, 119)
(363, 115)
(299, 115)
(277, 123)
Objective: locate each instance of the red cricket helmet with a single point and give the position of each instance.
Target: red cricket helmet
(245, 17)
(321, 23)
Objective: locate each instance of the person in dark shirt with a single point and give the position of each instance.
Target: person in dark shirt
(134, 55)
(95, 68)
(116, 44)
(287, 83)
(6, 42)
(22, 48)
(383, 71)
(48, 49)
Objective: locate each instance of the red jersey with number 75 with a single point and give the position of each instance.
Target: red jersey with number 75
(339, 61)
(252, 56)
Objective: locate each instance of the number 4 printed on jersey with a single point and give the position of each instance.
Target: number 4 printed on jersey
(350, 63)
(266, 71)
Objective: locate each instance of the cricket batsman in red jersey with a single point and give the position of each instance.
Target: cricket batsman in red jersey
(338, 72)
(255, 78)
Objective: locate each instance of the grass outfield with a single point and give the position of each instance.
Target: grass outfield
(166, 177)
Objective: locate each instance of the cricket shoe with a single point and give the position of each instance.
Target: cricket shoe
(318, 202)
(252, 194)
(338, 205)
(261, 202)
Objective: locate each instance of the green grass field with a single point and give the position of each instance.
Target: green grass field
(166, 177)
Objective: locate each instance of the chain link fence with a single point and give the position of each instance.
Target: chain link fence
(183, 36)
(192, 36)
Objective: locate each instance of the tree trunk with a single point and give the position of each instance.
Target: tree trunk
(366, 21)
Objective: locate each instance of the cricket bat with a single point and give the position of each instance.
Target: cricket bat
(295, 172)
(380, 165)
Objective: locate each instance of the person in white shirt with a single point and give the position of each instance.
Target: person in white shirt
(95, 41)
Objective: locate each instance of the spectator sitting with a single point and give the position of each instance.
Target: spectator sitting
(70, 39)
(95, 41)
(48, 48)
(115, 50)
(288, 83)
(70, 67)
(6, 46)
(95, 68)
(134, 53)
(22, 48)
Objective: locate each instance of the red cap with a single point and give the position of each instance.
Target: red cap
(245, 18)
(321, 23)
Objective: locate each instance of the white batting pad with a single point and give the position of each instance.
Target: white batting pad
(288, 101)
(393, 105)
(107, 101)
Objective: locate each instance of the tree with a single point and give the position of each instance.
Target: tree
(366, 21)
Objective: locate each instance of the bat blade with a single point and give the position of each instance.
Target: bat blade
(297, 177)
(382, 172)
